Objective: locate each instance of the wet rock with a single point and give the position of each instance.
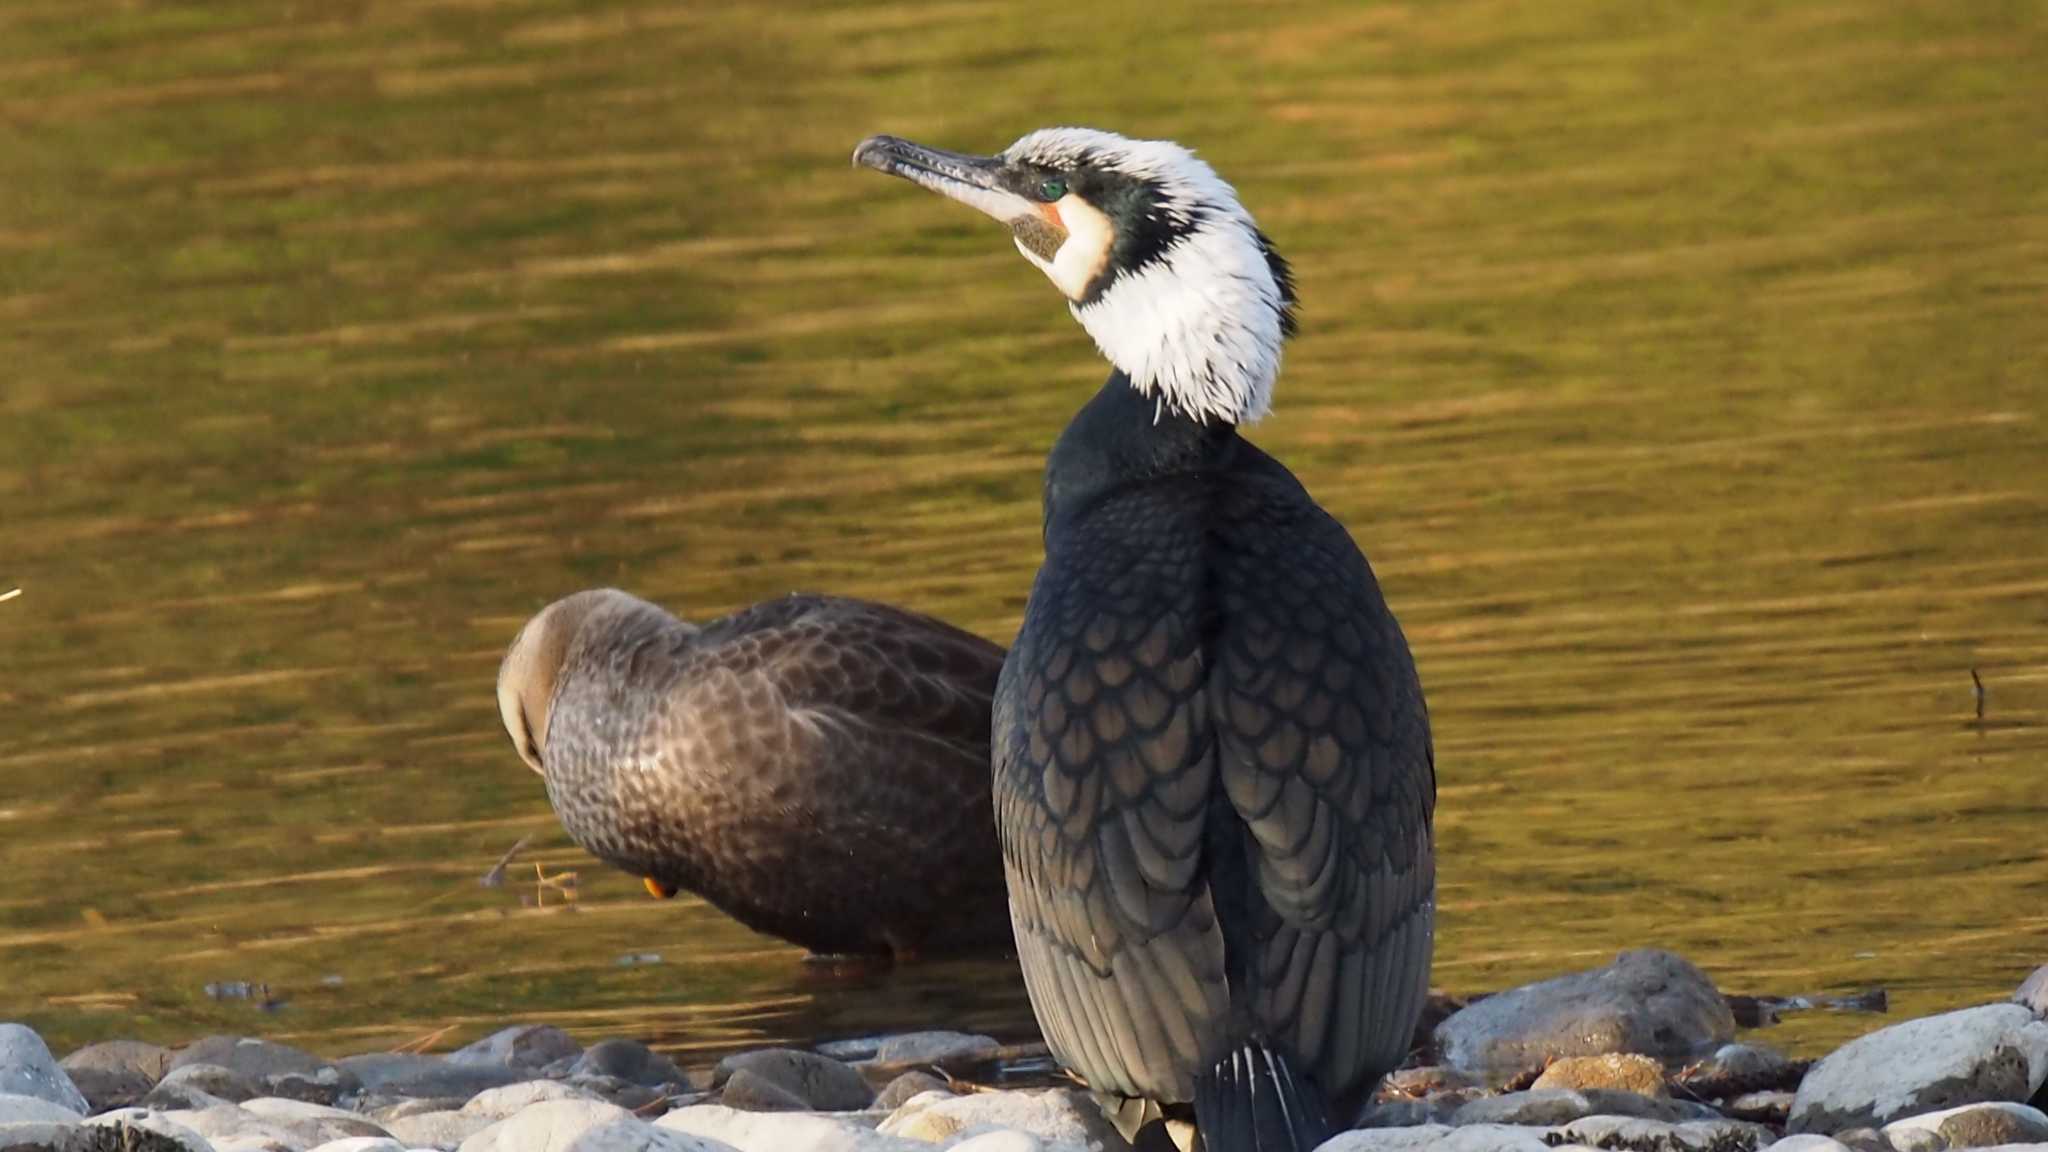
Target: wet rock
(1650, 1002)
(525, 1048)
(1996, 1052)
(1412, 1139)
(628, 1095)
(1427, 1081)
(168, 1136)
(1640, 1135)
(934, 1047)
(781, 1131)
(1760, 1107)
(273, 1069)
(1438, 1109)
(28, 1069)
(903, 1087)
(631, 1061)
(406, 1074)
(116, 1073)
(1618, 1071)
(2033, 992)
(1733, 1069)
(1971, 1126)
(1061, 1115)
(197, 1086)
(582, 1126)
(823, 1084)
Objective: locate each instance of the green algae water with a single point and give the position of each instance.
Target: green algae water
(1682, 367)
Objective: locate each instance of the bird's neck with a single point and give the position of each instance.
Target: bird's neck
(1122, 437)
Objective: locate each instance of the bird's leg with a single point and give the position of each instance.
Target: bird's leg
(563, 882)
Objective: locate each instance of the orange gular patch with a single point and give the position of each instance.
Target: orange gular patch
(1051, 212)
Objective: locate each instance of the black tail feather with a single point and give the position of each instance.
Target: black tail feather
(1252, 1101)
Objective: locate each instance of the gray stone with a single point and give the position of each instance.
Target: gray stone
(2033, 992)
(628, 1095)
(199, 1086)
(442, 1130)
(498, 1103)
(1864, 1140)
(934, 1047)
(782, 1131)
(823, 1084)
(525, 1048)
(1973, 1126)
(1386, 1139)
(1640, 1135)
(1061, 1115)
(1996, 1052)
(362, 1144)
(582, 1126)
(19, 1109)
(910, 1084)
(43, 1136)
(751, 1092)
(1428, 1080)
(407, 1074)
(1810, 1143)
(223, 1124)
(385, 1109)
(171, 1137)
(1650, 1002)
(116, 1073)
(1916, 1140)
(631, 1061)
(1005, 1140)
(273, 1069)
(28, 1069)
(1437, 1110)
(1491, 1138)
(1733, 1069)
(1536, 1106)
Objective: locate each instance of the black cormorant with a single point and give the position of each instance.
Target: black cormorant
(815, 767)
(1214, 780)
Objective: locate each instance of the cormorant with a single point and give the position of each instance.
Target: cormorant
(1214, 779)
(815, 767)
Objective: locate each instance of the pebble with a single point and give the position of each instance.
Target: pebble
(816, 1082)
(1995, 1052)
(28, 1069)
(631, 1061)
(902, 1088)
(1651, 1002)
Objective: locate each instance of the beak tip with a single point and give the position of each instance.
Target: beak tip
(872, 153)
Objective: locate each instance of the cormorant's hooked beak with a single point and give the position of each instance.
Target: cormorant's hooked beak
(976, 181)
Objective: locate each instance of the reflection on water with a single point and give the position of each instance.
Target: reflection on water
(1679, 367)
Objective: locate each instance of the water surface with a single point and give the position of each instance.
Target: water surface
(1680, 366)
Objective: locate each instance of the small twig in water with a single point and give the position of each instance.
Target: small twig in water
(9, 595)
(1976, 686)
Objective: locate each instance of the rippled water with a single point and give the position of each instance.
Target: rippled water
(1680, 366)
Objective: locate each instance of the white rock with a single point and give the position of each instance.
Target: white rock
(1996, 1052)
(1386, 1139)
(1809, 1143)
(21, 1109)
(312, 1124)
(582, 1126)
(1955, 1127)
(1492, 1138)
(498, 1103)
(28, 1069)
(441, 1130)
(362, 1144)
(148, 1121)
(781, 1131)
(231, 1128)
(1060, 1115)
(2033, 992)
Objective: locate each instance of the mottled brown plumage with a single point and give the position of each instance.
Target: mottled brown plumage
(816, 767)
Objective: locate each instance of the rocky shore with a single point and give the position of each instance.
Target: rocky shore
(1634, 1055)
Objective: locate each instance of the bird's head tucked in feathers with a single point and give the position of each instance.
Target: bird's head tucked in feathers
(1157, 259)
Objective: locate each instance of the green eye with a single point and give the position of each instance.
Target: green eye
(1052, 189)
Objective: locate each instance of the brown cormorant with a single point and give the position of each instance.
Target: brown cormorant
(815, 767)
(1214, 779)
